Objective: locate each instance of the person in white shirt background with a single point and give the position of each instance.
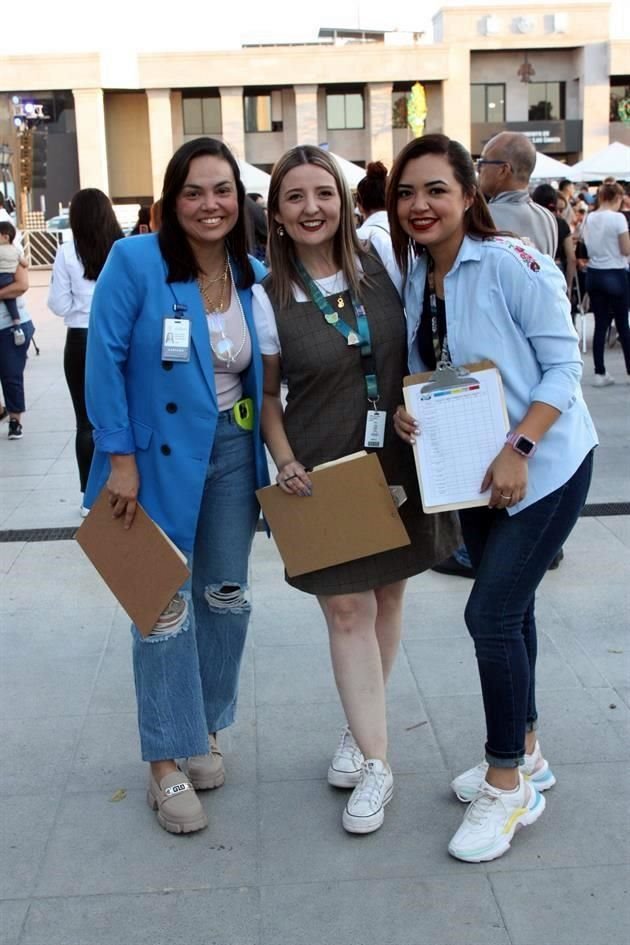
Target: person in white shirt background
(77, 266)
(607, 241)
(375, 226)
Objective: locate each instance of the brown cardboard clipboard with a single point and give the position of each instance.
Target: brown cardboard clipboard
(140, 565)
(350, 515)
(425, 377)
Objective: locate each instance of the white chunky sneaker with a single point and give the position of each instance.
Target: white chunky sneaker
(534, 769)
(365, 810)
(345, 767)
(492, 819)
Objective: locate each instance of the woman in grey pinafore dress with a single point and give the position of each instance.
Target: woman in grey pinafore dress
(311, 225)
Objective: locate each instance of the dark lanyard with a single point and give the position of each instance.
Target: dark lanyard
(360, 337)
(440, 348)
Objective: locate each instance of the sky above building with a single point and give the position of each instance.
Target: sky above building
(121, 26)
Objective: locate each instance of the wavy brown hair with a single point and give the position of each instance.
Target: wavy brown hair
(282, 255)
(477, 220)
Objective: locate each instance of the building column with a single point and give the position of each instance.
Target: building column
(456, 95)
(89, 109)
(379, 100)
(160, 135)
(307, 131)
(232, 121)
(595, 98)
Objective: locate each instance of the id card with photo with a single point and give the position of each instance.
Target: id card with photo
(176, 339)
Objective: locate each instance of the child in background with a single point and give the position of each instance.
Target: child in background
(10, 259)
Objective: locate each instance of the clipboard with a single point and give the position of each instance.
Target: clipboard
(463, 421)
(350, 515)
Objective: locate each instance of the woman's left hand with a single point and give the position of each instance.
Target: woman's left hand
(507, 477)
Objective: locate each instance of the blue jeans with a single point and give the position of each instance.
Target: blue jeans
(12, 364)
(610, 298)
(510, 555)
(187, 680)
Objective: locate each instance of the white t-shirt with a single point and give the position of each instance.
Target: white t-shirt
(376, 230)
(601, 233)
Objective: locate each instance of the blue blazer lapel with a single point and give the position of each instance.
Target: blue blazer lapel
(188, 294)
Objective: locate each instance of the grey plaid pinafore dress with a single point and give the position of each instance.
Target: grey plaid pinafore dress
(325, 418)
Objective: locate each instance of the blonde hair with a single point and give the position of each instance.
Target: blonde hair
(281, 250)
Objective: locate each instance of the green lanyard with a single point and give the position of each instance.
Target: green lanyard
(360, 337)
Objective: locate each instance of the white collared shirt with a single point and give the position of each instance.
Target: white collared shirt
(70, 294)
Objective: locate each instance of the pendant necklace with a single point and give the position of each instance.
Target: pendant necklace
(221, 344)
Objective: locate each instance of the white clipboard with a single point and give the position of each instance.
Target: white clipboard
(463, 424)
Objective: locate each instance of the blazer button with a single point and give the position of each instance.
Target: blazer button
(171, 408)
(167, 365)
(165, 449)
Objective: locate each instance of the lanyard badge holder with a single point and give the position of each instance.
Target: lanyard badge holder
(176, 335)
(376, 419)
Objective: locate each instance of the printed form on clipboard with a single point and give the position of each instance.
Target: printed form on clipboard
(463, 423)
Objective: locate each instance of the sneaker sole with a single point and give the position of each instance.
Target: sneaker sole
(15, 436)
(175, 826)
(343, 779)
(529, 816)
(353, 824)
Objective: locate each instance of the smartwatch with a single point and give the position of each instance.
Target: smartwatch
(521, 444)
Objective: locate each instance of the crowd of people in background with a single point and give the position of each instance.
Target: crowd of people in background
(179, 341)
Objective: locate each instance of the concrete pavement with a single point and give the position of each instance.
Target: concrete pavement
(84, 860)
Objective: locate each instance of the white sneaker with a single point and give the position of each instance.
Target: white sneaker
(84, 511)
(603, 380)
(365, 810)
(492, 819)
(534, 769)
(345, 767)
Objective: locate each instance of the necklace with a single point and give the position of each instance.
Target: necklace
(212, 304)
(339, 301)
(223, 347)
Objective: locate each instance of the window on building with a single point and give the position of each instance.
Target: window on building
(487, 103)
(202, 114)
(344, 110)
(620, 100)
(262, 110)
(546, 101)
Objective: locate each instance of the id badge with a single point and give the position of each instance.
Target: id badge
(375, 428)
(176, 339)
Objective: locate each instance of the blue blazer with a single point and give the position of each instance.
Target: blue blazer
(164, 412)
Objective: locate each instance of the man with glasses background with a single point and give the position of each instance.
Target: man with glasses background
(504, 168)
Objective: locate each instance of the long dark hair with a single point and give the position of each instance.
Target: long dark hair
(477, 220)
(281, 249)
(174, 246)
(94, 229)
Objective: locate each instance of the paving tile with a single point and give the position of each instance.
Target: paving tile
(443, 665)
(26, 826)
(302, 835)
(566, 836)
(37, 754)
(9, 553)
(619, 525)
(13, 463)
(196, 916)
(100, 846)
(12, 915)
(572, 906)
(383, 912)
(431, 615)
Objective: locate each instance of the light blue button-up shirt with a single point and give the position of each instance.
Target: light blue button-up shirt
(507, 302)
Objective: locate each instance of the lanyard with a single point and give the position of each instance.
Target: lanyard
(360, 337)
(440, 348)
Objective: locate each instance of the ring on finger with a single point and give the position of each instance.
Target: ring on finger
(505, 496)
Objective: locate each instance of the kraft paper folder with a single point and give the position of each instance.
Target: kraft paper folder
(140, 565)
(350, 515)
(463, 422)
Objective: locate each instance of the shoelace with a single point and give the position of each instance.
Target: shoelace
(481, 807)
(347, 742)
(369, 787)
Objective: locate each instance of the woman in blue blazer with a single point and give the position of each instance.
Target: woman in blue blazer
(173, 389)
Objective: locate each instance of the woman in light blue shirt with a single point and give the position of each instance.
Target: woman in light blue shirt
(471, 293)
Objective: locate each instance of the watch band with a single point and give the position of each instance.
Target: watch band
(521, 444)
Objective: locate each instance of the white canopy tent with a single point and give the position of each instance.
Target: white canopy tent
(254, 180)
(613, 161)
(352, 172)
(547, 168)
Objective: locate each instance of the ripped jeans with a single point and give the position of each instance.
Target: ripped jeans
(187, 679)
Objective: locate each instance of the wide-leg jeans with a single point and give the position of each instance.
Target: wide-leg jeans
(187, 681)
